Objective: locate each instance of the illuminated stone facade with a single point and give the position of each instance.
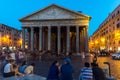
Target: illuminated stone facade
(10, 37)
(107, 35)
(56, 29)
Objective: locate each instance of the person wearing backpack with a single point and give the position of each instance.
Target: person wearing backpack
(22, 67)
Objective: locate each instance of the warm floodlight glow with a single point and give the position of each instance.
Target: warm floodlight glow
(103, 39)
(110, 48)
(118, 48)
(96, 42)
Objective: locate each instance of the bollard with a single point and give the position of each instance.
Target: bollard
(109, 77)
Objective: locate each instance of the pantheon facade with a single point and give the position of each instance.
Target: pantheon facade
(56, 29)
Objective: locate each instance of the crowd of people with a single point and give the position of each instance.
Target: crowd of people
(90, 71)
(61, 72)
(15, 64)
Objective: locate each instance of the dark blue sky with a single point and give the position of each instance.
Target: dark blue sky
(12, 10)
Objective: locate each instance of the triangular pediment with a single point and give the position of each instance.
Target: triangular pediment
(54, 12)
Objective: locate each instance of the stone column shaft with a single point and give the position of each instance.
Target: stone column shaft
(23, 38)
(29, 40)
(82, 41)
(59, 40)
(68, 39)
(84, 34)
(49, 37)
(35, 40)
(77, 39)
(40, 38)
(86, 39)
(32, 38)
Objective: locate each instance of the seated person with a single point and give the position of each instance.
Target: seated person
(29, 69)
(8, 69)
(22, 67)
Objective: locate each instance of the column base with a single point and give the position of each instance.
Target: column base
(88, 54)
(58, 52)
(67, 53)
(78, 54)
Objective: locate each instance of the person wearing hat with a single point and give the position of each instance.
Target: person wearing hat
(67, 70)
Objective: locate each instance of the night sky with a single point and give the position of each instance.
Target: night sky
(12, 10)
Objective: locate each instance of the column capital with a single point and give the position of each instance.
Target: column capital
(32, 27)
(58, 27)
(49, 26)
(68, 27)
(77, 25)
(40, 26)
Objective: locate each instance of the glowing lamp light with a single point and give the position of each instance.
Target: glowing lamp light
(102, 47)
(91, 43)
(110, 48)
(96, 42)
(26, 46)
(10, 47)
(117, 34)
(118, 48)
(7, 36)
(102, 39)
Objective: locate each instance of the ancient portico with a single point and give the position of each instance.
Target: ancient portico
(57, 29)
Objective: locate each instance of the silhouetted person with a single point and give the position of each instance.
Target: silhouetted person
(53, 71)
(67, 70)
(98, 73)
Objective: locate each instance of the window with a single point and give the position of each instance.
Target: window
(113, 22)
(113, 16)
(118, 12)
(114, 42)
(118, 25)
(118, 19)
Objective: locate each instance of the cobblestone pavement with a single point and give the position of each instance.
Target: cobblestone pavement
(43, 66)
(114, 65)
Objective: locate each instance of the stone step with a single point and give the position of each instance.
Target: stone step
(28, 77)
